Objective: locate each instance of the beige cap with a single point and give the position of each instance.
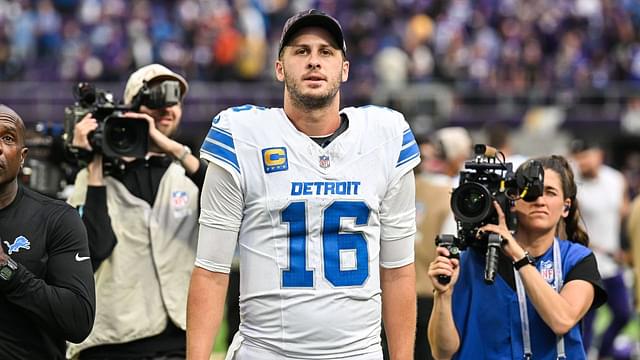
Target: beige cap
(148, 73)
(453, 143)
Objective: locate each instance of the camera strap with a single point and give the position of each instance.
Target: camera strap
(522, 305)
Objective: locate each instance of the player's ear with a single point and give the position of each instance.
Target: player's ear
(345, 70)
(279, 70)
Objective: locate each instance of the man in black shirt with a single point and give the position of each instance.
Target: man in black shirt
(47, 293)
(141, 221)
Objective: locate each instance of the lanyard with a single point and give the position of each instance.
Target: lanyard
(522, 305)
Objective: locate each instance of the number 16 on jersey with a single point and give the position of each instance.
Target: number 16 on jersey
(334, 243)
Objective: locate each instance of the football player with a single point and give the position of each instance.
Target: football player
(321, 202)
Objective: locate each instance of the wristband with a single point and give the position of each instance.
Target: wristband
(7, 269)
(185, 152)
(527, 259)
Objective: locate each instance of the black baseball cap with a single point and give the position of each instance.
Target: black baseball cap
(310, 18)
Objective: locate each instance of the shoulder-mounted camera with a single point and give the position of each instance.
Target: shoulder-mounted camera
(485, 179)
(116, 136)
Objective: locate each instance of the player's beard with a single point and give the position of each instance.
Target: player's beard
(311, 102)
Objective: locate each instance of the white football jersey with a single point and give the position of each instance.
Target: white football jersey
(601, 199)
(310, 235)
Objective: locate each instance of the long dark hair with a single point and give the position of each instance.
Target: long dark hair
(571, 227)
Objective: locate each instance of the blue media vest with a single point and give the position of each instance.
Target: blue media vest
(488, 319)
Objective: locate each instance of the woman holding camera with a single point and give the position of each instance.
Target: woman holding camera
(544, 288)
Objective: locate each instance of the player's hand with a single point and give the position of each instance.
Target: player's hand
(81, 132)
(510, 247)
(443, 265)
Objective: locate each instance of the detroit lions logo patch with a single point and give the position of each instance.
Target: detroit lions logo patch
(20, 242)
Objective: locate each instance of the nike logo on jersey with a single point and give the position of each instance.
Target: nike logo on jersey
(325, 188)
(81, 258)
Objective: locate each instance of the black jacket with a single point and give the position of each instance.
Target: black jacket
(51, 297)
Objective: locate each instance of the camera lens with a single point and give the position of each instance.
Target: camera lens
(122, 137)
(125, 137)
(471, 202)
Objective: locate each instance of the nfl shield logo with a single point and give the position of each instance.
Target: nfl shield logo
(546, 269)
(179, 199)
(324, 161)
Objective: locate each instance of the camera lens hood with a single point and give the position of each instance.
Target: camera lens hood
(471, 202)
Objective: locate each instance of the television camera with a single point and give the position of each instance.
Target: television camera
(116, 135)
(487, 178)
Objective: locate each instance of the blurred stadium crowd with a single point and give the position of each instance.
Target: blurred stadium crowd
(536, 65)
(496, 44)
(546, 64)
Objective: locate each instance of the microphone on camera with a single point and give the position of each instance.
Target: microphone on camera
(491, 264)
(485, 150)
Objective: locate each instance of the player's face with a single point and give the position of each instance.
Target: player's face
(312, 69)
(167, 119)
(543, 214)
(12, 150)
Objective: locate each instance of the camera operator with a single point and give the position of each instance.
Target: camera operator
(142, 223)
(544, 288)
